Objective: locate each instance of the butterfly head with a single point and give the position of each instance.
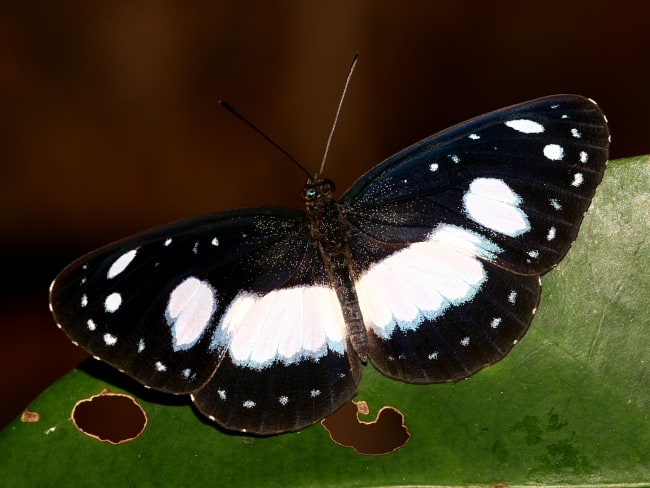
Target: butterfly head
(318, 192)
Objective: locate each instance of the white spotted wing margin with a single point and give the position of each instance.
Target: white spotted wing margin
(449, 237)
(233, 309)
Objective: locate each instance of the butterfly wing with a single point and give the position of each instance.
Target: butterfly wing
(234, 309)
(449, 236)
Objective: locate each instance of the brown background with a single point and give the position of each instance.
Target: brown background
(109, 120)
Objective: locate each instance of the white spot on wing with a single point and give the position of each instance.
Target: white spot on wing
(285, 325)
(584, 157)
(189, 310)
(168, 241)
(493, 204)
(248, 404)
(222, 394)
(551, 234)
(433, 167)
(554, 152)
(110, 339)
(576, 133)
(578, 179)
(214, 242)
(433, 355)
(525, 126)
(121, 263)
(91, 324)
(141, 345)
(112, 302)
(424, 279)
(160, 366)
(84, 300)
(314, 393)
(464, 341)
(496, 321)
(512, 297)
(555, 204)
(454, 158)
(283, 400)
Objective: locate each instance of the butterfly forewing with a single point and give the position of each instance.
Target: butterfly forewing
(468, 218)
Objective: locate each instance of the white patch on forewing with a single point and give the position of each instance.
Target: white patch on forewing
(121, 263)
(110, 339)
(287, 325)
(525, 126)
(112, 302)
(493, 204)
(189, 310)
(584, 157)
(424, 279)
(554, 152)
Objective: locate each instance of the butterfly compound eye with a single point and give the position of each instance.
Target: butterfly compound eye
(309, 193)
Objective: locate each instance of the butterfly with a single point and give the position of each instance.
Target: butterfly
(428, 266)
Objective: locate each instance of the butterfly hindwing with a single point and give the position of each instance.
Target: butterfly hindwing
(223, 297)
(448, 232)
(280, 398)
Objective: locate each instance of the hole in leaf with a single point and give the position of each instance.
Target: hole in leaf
(110, 417)
(30, 417)
(384, 435)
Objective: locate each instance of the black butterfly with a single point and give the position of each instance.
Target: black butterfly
(429, 265)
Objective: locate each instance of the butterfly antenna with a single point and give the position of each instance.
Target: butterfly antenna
(228, 107)
(338, 111)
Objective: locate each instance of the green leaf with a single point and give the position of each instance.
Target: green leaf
(569, 405)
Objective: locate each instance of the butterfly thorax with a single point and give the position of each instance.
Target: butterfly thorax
(330, 232)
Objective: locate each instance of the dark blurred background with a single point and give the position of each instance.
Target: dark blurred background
(109, 121)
